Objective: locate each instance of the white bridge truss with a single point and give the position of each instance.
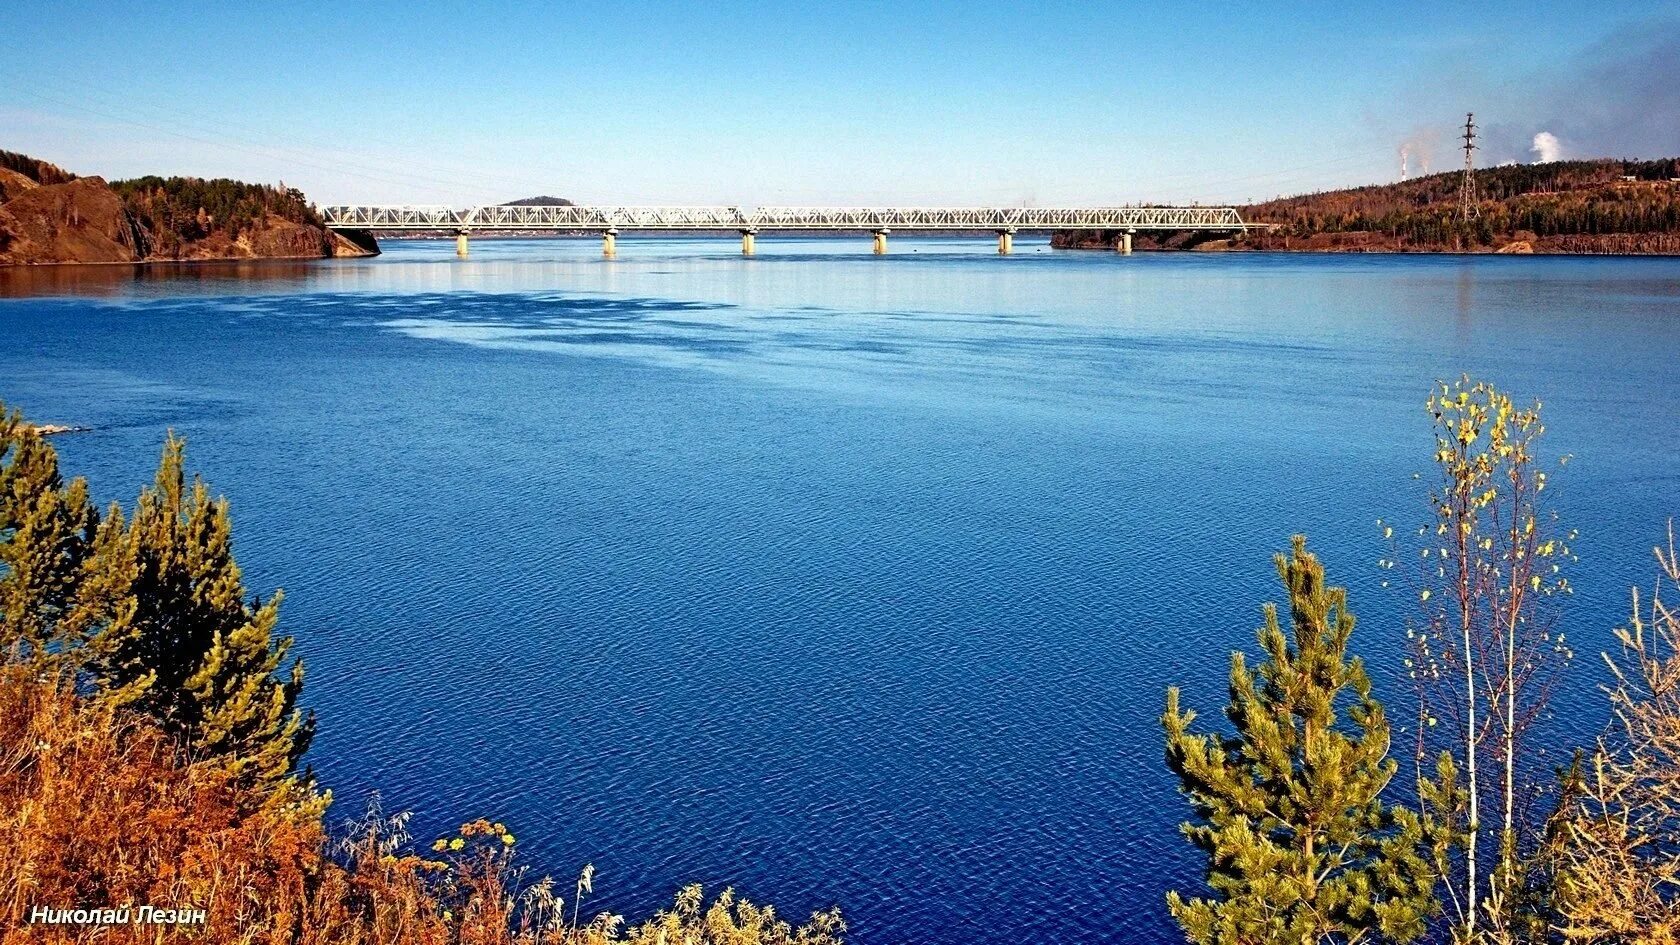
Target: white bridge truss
(877, 219)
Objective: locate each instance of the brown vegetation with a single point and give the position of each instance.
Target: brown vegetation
(79, 221)
(48, 215)
(149, 744)
(1619, 880)
(1565, 206)
(1594, 207)
(100, 811)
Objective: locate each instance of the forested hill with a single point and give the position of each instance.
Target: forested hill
(49, 215)
(1563, 206)
(1602, 206)
(544, 201)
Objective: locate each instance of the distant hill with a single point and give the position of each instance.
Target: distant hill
(49, 215)
(1599, 206)
(1564, 206)
(540, 202)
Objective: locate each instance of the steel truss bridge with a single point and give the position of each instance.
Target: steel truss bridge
(609, 221)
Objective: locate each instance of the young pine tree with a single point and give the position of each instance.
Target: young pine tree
(177, 637)
(1301, 847)
(45, 529)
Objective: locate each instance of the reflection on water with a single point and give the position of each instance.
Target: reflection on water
(218, 276)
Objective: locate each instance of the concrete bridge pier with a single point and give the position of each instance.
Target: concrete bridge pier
(747, 248)
(1124, 244)
(880, 241)
(461, 243)
(1006, 241)
(609, 243)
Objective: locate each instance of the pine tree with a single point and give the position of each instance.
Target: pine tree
(1301, 846)
(45, 530)
(177, 637)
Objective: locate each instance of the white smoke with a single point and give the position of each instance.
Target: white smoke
(1417, 151)
(1547, 148)
(1414, 158)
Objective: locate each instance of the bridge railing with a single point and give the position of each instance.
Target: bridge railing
(994, 218)
(598, 218)
(393, 217)
(565, 218)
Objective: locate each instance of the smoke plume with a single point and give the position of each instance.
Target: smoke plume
(1616, 97)
(1417, 152)
(1620, 97)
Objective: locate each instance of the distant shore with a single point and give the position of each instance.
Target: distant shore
(50, 216)
(1609, 244)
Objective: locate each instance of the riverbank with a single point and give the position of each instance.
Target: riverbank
(1569, 208)
(1522, 244)
(50, 216)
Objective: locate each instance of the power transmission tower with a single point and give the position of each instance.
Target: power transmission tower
(1467, 191)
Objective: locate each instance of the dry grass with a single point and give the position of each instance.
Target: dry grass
(98, 810)
(105, 804)
(1620, 877)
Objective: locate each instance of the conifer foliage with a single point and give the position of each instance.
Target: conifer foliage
(149, 732)
(180, 640)
(45, 528)
(148, 611)
(1301, 846)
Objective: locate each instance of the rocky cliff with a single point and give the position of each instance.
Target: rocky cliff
(48, 215)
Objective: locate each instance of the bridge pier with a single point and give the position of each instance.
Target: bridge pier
(1124, 243)
(880, 240)
(747, 248)
(609, 243)
(1006, 241)
(461, 243)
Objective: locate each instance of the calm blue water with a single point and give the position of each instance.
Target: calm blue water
(836, 578)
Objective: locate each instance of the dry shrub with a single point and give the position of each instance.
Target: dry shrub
(1620, 876)
(729, 921)
(98, 813)
(99, 810)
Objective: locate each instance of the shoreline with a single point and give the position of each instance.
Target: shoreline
(111, 263)
(1274, 251)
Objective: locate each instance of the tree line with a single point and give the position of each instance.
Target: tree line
(1565, 197)
(169, 214)
(176, 211)
(39, 171)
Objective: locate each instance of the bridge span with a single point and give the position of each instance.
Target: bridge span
(877, 221)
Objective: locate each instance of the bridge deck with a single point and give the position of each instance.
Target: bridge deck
(571, 219)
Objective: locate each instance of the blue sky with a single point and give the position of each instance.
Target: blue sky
(838, 103)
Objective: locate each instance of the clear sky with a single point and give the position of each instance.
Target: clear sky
(1037, 103)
